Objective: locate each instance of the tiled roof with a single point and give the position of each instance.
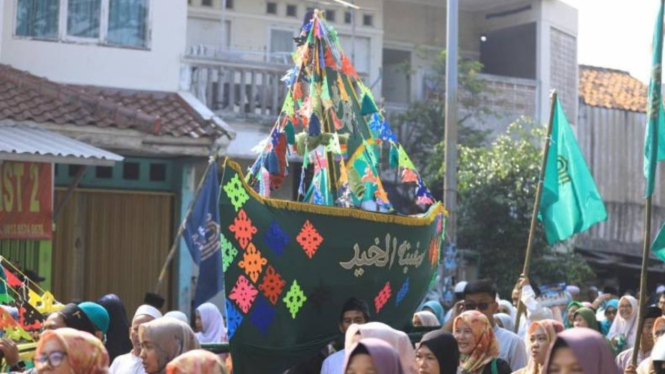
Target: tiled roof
(612, 89)
(25, 97)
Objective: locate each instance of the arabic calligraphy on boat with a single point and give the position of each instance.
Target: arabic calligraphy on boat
(380, 257)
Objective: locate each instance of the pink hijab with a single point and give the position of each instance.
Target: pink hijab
(395, 338)
(386, 360)
(589, 347)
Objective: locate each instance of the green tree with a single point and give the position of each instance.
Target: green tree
(421, 126)
(497, 186)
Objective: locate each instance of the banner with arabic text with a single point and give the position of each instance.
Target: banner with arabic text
(289, 268)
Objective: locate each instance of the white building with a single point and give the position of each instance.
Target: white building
(107, 72)
(527, 48)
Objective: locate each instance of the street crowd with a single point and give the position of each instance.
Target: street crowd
(592, 333)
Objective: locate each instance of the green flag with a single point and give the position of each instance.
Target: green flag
(658, 245)
(570, 201)
(655, 122)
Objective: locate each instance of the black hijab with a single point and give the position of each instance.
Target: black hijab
(117, 338)
(444, 347)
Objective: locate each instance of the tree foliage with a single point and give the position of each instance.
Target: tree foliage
(421, 126)
(497, 187)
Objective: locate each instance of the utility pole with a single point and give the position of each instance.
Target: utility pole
(450, 181)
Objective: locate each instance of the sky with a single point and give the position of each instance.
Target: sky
(616, 34)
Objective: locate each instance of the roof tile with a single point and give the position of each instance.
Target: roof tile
(24, 96)
(612, 89)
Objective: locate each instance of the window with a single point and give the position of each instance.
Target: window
(330, 15)
(104, 172)
(126, 25)
(281, 45)
(229, 4)
(368, 20)
(271, 8)
(348, 18)
(292, 10)
(73, 170)
(358, 49)
(131, 170)
(206, 2)
(83, 18)
(37, 19)
(157, 172)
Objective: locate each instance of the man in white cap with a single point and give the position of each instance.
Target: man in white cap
(131, 363)
(459, 296)
(574, 291)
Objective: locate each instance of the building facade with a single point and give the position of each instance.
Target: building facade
(108, 73)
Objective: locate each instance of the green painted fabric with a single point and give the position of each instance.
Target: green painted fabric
(654, 135)
(291, 266)
(570, 201)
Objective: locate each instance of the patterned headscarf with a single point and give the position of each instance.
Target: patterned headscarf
(197, 361)
(85, 353)
(551, 328)
(487, 346)
(170, 337)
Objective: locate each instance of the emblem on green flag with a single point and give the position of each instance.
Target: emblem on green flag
(570, 201)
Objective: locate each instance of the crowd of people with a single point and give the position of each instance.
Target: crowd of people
(589, 335)
(585, 335)
(98, 338)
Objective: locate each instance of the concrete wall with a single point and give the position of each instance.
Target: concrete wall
(250, 29)
(611, 141)
(155, 68)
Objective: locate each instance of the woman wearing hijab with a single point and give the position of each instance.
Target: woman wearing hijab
(580, 351)
(374, 356)
(395, 338)
(436, 308)
(162, 340)
(117, 338)
(478, 346)
(540, 337)
(585, 317)
(507, 308)
(657, 331)
(504, 321)
(425, 319)
(437, 353)
(180, 316)
(69, 351)
(571, 308)
(197, 361)
(611, 309)
(210, 324)
(623, 330)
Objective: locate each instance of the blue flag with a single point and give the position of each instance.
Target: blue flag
(202, 237)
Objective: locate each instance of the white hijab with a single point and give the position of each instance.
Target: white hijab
(212, 322)
(427, 318)
(180, 316)
(625, 327)
(508, 305)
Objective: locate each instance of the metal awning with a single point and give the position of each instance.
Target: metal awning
(36, 144)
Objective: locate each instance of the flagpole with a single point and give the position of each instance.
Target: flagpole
(536, 206)
(643, 278)
(174, 247)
